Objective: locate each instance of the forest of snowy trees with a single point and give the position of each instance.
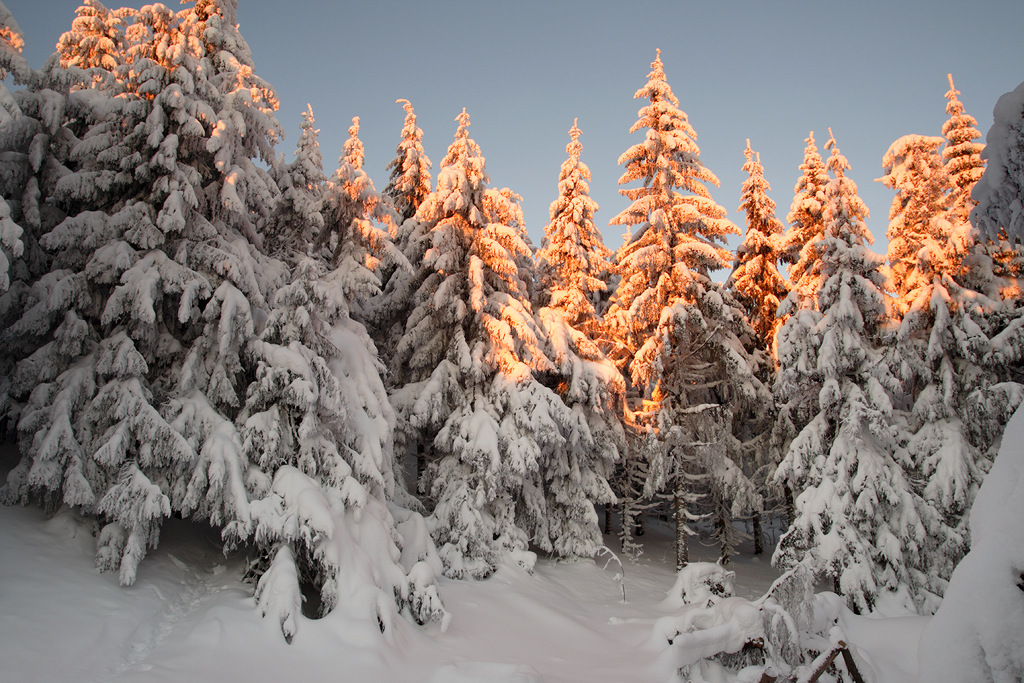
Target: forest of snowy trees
(369, 388)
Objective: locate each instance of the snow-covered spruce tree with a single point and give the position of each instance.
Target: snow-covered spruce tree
(298, 214)
(962, 155)
(161, 355)
(407, 188)
(173, 190)
(91, 433)
(409, 183)
(466, 371)
(794, 387)
(573, 253)
(759, 286)
(856, 518)
(806, 225)
(34, 149)
(11, 62)
(318, 430)
(755, 278)
(963, 158)
(665, 302)
(352, 237)
(914, 168)
(940, 357)
(96, 42)
(573, 263)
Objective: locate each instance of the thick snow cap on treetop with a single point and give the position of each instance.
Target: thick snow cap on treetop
(902, 146)
(999, 192)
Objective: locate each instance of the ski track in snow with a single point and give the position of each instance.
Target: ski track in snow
(196, 589)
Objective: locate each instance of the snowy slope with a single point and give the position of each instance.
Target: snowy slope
(189, 617)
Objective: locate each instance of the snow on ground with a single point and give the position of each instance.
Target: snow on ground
(190, 617)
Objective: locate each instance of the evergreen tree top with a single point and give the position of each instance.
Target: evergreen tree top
(845, 212)
(309, 138)
(574, 147)
(354, 152)
(12, 42)
(409, 182)
(96, 38)
(463, 147)
(914, 169)
(573, 177)
(759, 207)
(808, 203)
(416, 133)
(668, 164)
(806, 220)
(572, 259)
(961, 126)
(657, 88)
(813, 180)
(755, 277)
(669, 157)
(962, 154)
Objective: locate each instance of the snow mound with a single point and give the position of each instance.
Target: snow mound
(702, 583)
(978, 633)
(485, 672)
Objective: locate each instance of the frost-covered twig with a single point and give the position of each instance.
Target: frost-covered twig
(620, 576)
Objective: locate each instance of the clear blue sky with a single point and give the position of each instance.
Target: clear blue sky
(768, 70)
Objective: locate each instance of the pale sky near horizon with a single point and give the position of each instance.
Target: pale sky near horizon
(768, 70)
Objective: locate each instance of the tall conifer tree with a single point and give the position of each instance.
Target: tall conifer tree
(915, 170)
(961, 154)
(680, 331)
(466, 372)
(760, 288)
(352, 235)
(855, 514)
(796, 400)
(573, 265)
(298, 214)
(964, 162)
(942, 343)
(160, 287)
(807, 225)
(409, 183)
(408, 187)
(755, 277)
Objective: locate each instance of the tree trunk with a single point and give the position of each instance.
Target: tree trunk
(758, 536)
(790, 506)
(682, 543)
(607, 518)
(421, 462)
(724, 522)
